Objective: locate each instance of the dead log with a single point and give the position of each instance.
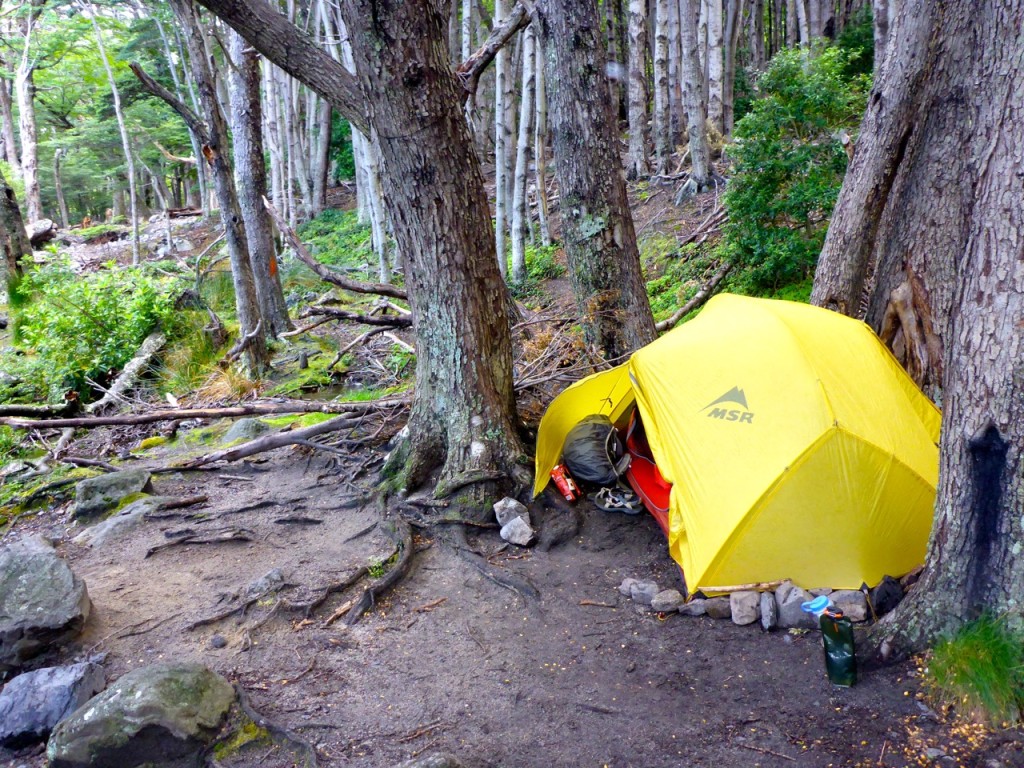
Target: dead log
(171, 414)
(69, 407)
(130, 373)
(392, 321)
(328, 275)
(698, 300)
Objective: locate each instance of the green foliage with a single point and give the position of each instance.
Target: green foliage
(541, 264)
(680, 275)
(190, 356)
(980, 671)
(80, 327)
(790, 165)
(341, 148)
(858, 40)
(336, 238)
(13, 180)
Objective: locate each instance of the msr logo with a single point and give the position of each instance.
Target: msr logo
(735, 396)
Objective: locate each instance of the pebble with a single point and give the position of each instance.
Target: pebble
(218, 641)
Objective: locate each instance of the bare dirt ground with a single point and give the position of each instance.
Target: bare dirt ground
(451, 661)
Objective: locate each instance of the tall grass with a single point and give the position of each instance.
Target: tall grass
(979, 672)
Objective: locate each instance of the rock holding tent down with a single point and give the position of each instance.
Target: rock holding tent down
(161, 716)
(98, 495)
(745, 607)
(507, 509)
(769, 612)
(852, 603)
(667, 600)
(517, 531)
(33, 703)
(42, 603)
(789, 597)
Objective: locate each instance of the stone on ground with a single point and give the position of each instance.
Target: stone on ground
(246, 429)
(120, 523)
(436, 760)
(507, 509)
(852, 603)
(745, 607)
(643, 592)
(161, 716)
(33, 703)
(626, 587)
(695, 607)
(718, 607)
(98, 495)
(789, 597)
(517, 531)
(769, 612)
(667, 600)
(42, 603)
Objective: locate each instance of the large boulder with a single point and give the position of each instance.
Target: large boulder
(99, 495)
(33, 703)
(161, 716)
(42, 603)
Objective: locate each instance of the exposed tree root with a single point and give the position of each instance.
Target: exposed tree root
(521, 587)
(280, 734)
(224, 537)
(402, 536)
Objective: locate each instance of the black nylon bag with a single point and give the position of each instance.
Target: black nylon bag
(594, 453)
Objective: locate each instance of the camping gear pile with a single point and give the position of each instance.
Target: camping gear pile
(772, 440)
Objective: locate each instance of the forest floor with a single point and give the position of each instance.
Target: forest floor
(450, 661)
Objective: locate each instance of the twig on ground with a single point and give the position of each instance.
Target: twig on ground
(764, 751)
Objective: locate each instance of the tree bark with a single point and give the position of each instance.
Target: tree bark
(934, 190)
(520, 213)
(540, 143)
(715, 65)
(662, 123)
(502, 139)
(251, 178)
(26, 89)
(13, 237)
(597, 227)
(693, 100)
(637, 167)
(58, 184)
(10, 153)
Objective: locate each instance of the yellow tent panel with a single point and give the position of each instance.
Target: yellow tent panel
(796, 444)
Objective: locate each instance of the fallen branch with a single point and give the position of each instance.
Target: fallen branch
(328, 275)
(70, 406)
(391, 321)
(225, 537)
(759, 586)
(270, 442)
(250, 409)
(698, 300)
(130, 373)
(712, 222)
(243, 343)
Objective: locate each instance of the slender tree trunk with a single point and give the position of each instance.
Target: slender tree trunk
(13, 238)
(540, 141)
(930, 206)
(10, 153)
(58, 184)
(126, 144)
(716, 79)
(520, 213)
(25, 87)
(757, 35)
(637, 166)
(662, 123)
(256, 354)
(880, 18)
(502, 135)
(732, 35)
(675, 88)
(597, 228)
(700, 155)
(792, 24)
(803, 22)
(251, 183)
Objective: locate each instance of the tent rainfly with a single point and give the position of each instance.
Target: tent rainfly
(796, 445)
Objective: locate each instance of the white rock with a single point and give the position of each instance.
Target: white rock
(517, 531)
(508, 508)
(643, 592)
(745, 607)
(626, 587)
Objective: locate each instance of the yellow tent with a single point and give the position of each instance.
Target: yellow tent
(797, 446)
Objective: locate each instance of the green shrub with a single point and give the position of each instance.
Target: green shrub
(979, 672)
(80, 327)
(336, 238)
(790, 165)
(858, 40)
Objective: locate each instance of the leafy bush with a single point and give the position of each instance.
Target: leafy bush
(542, 262)
(336, 238)
(858, 40)
(81, 327)
(790, 165)
(980, 672)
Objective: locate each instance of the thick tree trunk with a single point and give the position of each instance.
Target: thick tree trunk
(256, 354)
(13, 238)
(636, 166)
(792, 24)
(251, 178)
(733, 19)
(693, 100)
(881, 17)
(597, 228)
(934, 192)
(520, 212)
(26, 90)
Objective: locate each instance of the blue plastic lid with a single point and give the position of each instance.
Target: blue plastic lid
(817, 605)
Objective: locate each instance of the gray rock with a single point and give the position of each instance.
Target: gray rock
(159, 716)
(626, 587)
(819, 591)
(97, 495)
(695, 607)
(643, 592)
(218, 641)
(33, 703)
(246, 429)
(120, 523)
(745, 607)
(517, 531)
(852, 603)
(436, 760)
(667, 600)
(788, 598)
(508, 508)
(718, 607)
(269, 582)
(769, 612)
(42, 603)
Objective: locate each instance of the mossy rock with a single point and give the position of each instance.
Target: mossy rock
(98, 495)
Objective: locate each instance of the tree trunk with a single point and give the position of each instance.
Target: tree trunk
(881, 17)
(58, 184)
(933, 192)
(636, 166)
(520, 213)
(675, 87)
(256, 354)
(463, 413)
(662, 124)
(26, 89)
(732, 35)
(502, 137)
(251, 183)
(540, 143)
(10, 153)
(803, 22)
(13, 238)
(693, 90)
(597, 228)
(716, 81)
(792, 24)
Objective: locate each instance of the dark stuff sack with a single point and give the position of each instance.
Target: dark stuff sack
(593, 452)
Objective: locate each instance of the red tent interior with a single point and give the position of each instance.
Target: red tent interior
(643, 474)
